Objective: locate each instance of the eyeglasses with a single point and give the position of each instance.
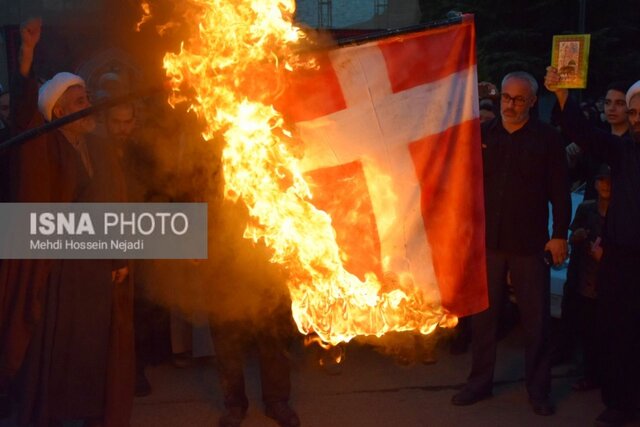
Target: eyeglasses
(517, 100)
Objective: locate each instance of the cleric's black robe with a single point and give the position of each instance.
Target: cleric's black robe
(72, 325)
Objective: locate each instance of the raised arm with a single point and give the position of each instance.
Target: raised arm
(24, 89)
(551, 81)
(30, 36)
(30, 168)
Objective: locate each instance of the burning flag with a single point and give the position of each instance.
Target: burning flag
(404, 106)
(378, 219)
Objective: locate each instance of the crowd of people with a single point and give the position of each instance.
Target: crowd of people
(67, 345)
(68, 350)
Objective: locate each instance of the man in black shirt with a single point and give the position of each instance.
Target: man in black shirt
(618, 284)
(525, 168)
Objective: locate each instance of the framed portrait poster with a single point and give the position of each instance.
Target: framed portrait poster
(570, 56)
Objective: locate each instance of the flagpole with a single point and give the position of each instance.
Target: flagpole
(103, 105)
(399, 31)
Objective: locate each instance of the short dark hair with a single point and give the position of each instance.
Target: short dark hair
(129, 104)
(604, 171)
(619, 86)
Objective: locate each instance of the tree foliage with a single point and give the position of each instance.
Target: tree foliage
(516, 34)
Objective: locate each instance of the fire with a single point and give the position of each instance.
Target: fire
(146, 14)
(231, 69)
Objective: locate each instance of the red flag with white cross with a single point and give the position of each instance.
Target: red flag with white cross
(392, 151)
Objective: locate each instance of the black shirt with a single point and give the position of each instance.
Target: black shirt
(523, 172)
(622, 153)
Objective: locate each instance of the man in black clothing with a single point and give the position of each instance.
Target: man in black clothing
(250, 308)
(619, 290)
(615, 110)
(524, 169)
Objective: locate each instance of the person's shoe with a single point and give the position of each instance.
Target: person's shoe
(542, 407)
(143, 387)
(614, 418)
(232, 417)
(467, 397)
(282, 413)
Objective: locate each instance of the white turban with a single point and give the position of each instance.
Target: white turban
(633, 90)
(53, 89)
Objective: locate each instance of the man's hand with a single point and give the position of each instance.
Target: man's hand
(30, 33)
(558, 249)
(551, 82)
(118, 276)
(30, 36)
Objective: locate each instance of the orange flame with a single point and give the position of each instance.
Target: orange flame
(146, 14)
(236, 63)
(163, 28)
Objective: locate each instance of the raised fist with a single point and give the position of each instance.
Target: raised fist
(30, 32)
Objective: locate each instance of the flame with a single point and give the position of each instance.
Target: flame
(328, 354)
(163, 28)
(146, 14)
(234, 65)
(314, 339)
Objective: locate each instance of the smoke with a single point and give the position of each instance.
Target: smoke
(166, 160)
(171, 163)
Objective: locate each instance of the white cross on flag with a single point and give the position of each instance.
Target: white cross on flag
(392, 150)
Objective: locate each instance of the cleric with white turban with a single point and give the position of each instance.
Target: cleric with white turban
(51, 91)
(633, 91)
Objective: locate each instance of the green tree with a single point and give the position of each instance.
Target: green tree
(516, 34)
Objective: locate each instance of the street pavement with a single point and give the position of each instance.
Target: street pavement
(370, 390)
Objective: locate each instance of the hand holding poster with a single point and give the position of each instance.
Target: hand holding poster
(570, 56)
